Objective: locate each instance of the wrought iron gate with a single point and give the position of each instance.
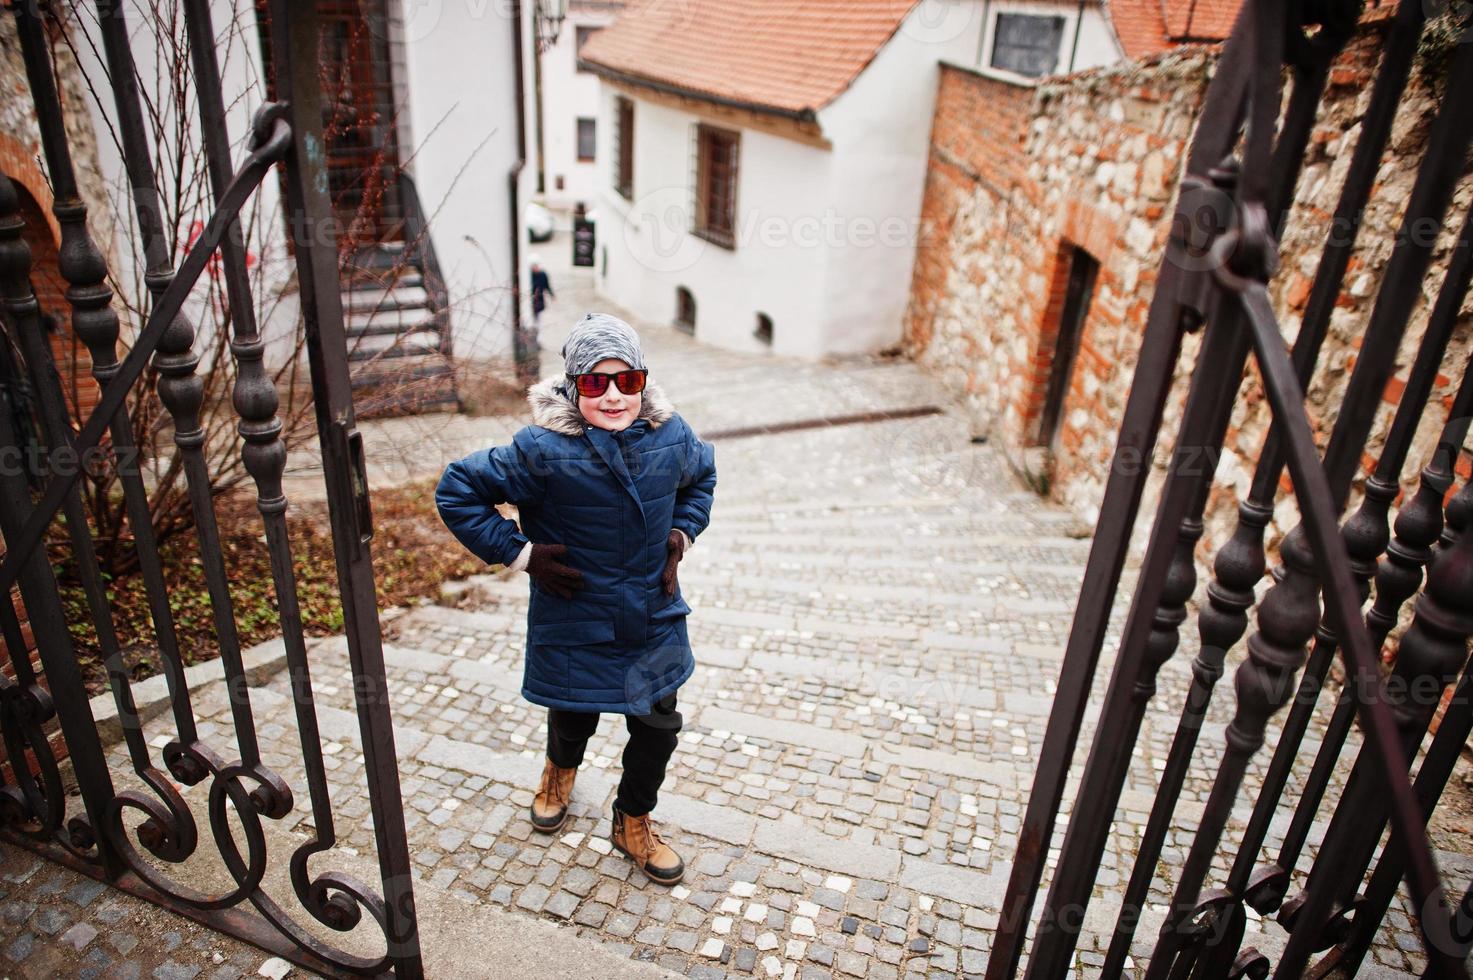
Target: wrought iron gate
(1242, 170)
(131, 837)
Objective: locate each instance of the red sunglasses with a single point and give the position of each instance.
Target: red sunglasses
(593, 385)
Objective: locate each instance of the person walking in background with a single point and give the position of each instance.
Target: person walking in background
(612, 487)
(541, 288)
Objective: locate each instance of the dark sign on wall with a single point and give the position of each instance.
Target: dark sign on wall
(583, 239)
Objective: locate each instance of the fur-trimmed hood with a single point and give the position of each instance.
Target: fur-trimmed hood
(620, 644)
(553, 411)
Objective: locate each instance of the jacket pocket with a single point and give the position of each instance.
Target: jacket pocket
(580, 657)
(671, 608)
(664, 606)
(572, 633)
(549, 607)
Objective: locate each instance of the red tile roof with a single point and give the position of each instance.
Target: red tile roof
(788, 56)
(1200, 20)
(1147, 27)
(1138, 25)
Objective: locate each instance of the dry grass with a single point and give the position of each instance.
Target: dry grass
(413, 555)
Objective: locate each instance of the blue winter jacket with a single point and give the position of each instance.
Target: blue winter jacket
(619, 644)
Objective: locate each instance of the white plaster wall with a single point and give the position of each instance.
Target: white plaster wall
(462, 100)
(881, 130)
(567, 95)
(1096, 45)
(774, 269)
(826, 238)
(244, 91)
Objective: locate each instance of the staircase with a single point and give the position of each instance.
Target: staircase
(879, 617)
(397, 316)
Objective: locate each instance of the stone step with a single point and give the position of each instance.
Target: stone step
(931, 685)
(932, 693)
(778, 420)
(339, 724)
(932, 690)
(719, 669)
(939, 516)
(835, 467)
(709, 617)
(869, 454)
(987, 537)
(375, 298)
(829, 564)
(788, 835)
(993, 594)
(872, 594)
(784, 835)
(708, 557)
(866, 540)
(1004, 498)
(467, 620)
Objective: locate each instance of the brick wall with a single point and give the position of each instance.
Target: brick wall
(21, 160)
(20, 156)
(1021, 177)
(72, 359)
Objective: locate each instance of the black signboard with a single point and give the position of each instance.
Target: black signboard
(583, 240)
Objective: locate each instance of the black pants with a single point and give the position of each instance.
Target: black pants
(652, 739)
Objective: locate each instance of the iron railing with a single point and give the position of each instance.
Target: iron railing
(244, 793)
(1241, 173)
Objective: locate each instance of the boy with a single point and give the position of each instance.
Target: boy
(541, 288)
(612, 486)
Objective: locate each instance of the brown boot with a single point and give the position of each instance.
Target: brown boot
(550, 805)
(636, 837)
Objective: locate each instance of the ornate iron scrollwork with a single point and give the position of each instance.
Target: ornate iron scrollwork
(149, 827)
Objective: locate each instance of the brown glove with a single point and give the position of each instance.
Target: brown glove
(674, 551)
(551, 574)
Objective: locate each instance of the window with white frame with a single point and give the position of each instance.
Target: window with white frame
(1027, 44)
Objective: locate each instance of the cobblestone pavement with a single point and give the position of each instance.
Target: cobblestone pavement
(55, 922)
(879, 615)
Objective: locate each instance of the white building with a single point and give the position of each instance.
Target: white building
(762, 164)
(427, 92)
(570, 112)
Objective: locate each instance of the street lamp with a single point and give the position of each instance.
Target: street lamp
(550, 15)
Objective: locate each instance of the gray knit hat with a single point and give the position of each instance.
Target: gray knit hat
(595, 337)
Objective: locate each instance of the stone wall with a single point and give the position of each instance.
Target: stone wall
(1020, 177)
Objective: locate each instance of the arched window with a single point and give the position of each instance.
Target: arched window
(685, 310)
(764, 328)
